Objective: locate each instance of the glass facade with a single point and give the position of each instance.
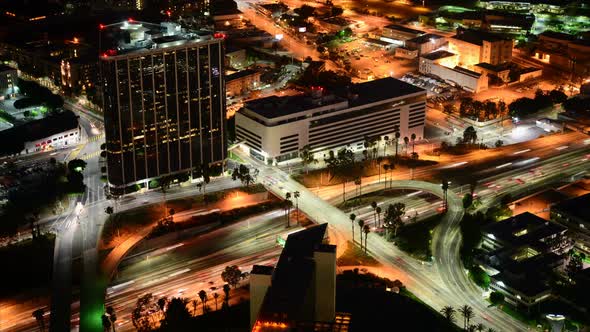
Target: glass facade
(164, 111)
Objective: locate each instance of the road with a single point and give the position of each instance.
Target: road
(446, 283)
(196, 263)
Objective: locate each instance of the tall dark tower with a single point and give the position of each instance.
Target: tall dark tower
(164, 102)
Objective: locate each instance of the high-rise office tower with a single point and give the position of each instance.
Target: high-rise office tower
(164, 101)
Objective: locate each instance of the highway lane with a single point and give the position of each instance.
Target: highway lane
(196, 263)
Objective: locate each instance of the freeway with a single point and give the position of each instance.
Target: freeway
(185, 268)
(447, 283)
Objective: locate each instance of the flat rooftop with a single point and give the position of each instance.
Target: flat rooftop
(381, 89)
(361, 93)
(134, 36)
(525, 228)
(402, 28)
(477, 37)
(438, 55)
(240, 74)
(578, 206)
(466, 71)
(4, 68)
(424, 38)
(274, 106)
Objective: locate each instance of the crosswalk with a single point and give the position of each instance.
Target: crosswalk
(90, 155)
(95, 138)
(76, 151)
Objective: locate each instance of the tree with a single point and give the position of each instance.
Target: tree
(445, 188)
(342, 165)
(296, 195)
(449, 313)
(171, 213)
(76, 165)
(215, 296)
(397, 136)
(203, 297)
(304, 11)
(307, 157)
(378, 211)
(406, 143)
(39, 315)
(226, 290)
(393, 217)
(469, 135)
(575, 264)
(385, 144)
(467, 200)
(177, 316)
(231, 275)
(499, 143)
(361, 224)
(367, 230)
(467, 313)
(449, 109)
(352, 219)
(145, 307)
(413, 139)
(106, 323)
(374, 206)
(110, 312)
(496, 298)
(386, 168)
(242, 173)
(287, 204)
(162, 304)
(194, 303)
(337, 11)
(480, 327)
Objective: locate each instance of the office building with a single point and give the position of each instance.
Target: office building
(276, 128)
(242, 82)
(164, 101)
(565, 52)
(398, 34)
(8, 80)
(520, 254)
(426, 43)
(299, 294)
(476, 46)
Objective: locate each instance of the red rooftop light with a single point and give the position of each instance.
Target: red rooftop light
(130, 20)
(101, 26)
(219, 35)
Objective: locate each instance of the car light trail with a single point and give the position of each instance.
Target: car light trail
(179, 272)
(414, 193)
(504, 165)
(521, 151)
(559, 148)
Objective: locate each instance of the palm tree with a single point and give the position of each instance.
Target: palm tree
(215, 296)
(445, 188)
(480, 327)
(391, 168)
(491, 329)
(367, 230)
(226, 289)
(203, 297)
(287, 206)
(352, 218)
(194, 303)
(296, 194)
(397, 136)
(379, 161)
(385, 143)
(374, 206)
(39, 315)
(378, 210)
(112, 316)
(467, 313)
(449, 313)
(406, 142)
(358, 182)
(307, 157)
(361, 224)
(413, 138)
(386, 168)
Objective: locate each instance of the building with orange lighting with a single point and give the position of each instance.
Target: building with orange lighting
(476, 46)
(444, 65)
(299, 293)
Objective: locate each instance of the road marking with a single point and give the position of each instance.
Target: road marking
(414, 193)
(521, 151)
(559, 148)
(179, 272)
(504, 165)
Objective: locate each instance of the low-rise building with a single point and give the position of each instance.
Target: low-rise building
(242, 82)
(476, 46)
(520, 254)
(426, 43)
(444, 65)
(276, 128)
(575, 214)
(53, 132)
(235, 57)
(8, 80)
(398, 34)
(565, 52)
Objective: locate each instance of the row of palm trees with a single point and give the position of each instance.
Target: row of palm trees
(467, 314)
(362, 229)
